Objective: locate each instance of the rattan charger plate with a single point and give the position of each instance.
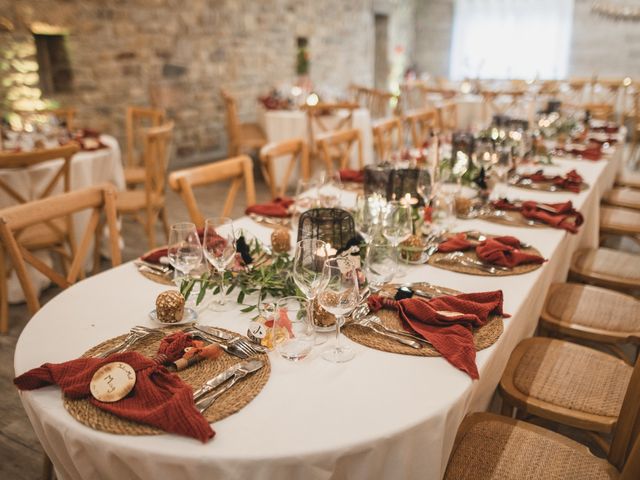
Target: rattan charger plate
(483, 337)
(456, 267)
(229, 402)
(546, 186)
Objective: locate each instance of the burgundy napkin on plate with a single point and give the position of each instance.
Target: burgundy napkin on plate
(277, 208)
(591, 152)
(349, 175)
(455, 243)
(159, 398)
(504, 251)
(572, 181)
(154, 256)
(557, 215)
(447, 322)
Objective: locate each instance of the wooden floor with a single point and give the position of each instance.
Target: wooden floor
(20, 452)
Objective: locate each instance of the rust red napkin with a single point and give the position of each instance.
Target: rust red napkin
(504, 251)
(572, 181)
(557, 215)
(591, 152)
(349, 175)
(447, 322)
(159, 398)
(277, 208)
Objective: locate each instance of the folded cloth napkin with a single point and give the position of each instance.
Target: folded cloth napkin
(557, 215)
(591, 152)
(159, 398)
(504, 251)
(348, 175)
(446, 322)
(277, 208)
(572, 181)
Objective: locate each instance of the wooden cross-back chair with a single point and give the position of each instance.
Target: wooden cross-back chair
(432, 96)
(338, 146)
(387, 137)
(574, 91)
(378, 102)
(500, 102)
(323, 118)
(243, 137)
(600, 111)
(411, 97)
(447, 116)
(237, 170)
(421, 125)
(294, 152)
(578, 386)
(17, 218)
(137, 120)
(151, 200)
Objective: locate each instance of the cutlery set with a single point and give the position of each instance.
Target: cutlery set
(461, 259)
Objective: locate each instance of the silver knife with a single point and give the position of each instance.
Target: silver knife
(216, 381)
(216, 332)
(245, 368)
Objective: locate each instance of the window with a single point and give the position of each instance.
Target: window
(54, 66)
(511, 39)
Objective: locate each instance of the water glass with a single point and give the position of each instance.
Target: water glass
(308, 262)
(379, 265)
(184, 250)
(397, 225)
(293, 332)
(219, 248)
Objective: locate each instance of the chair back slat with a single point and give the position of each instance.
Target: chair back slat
(294, 152)
(237, 170)
(157, 147)
(232, 119)
(627, 429)
(137, 119)
(338, 146)
(327, 117)
(387, 137)
(99, 199)
(421, 125)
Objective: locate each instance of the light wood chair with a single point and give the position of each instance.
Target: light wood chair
(500, 102)
(421, 124)
(387, 137)
(447, 116)
(629, 179)
(493, 447)
(338, 147)
(137, 120)
(151, 201)
(100, 200)
(325, 118)
(626, 197)
(434, 96)
(620, 221)
(50, 235)
(378, 102)
(607, 268)
(600, 111)
(592, 314)
(569, 384)
(294, 151)
(237, 170)
(242, 137)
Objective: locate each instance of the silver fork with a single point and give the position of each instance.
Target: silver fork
(375, 319)
(230, 348)
(382, 330)
(249, 347)
(135, 334)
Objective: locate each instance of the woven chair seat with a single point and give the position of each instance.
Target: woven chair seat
(571, 376)
(607, 266)
(494, 447)
(624, 197)
(619, 220)
(629, 179)
(572, 304)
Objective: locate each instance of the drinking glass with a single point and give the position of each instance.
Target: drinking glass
(308, 262)
(379, 265)
(367, 215)
(184, 250)
(329, 190)
(219, 247)
(339, 295)
(397, 226)
(293, 332)
(503, 162)
(444, 208)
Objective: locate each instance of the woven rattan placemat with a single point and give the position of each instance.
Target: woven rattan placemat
(229, 402)
(158, 278)
(483, 337)
(456, 267)
(515, 219)
(546, 187)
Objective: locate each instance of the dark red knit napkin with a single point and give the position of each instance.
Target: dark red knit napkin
(349, 175)
(277, 208)
(572, 181)
(159, 398)
(504, 251)
(455, 243)
(447, 322)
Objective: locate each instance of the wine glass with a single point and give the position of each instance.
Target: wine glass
(184, 250)
(219, 247)
(444, 208)
(293, 332)
(503, 162)
(329, 190)
(367, 215)
(379, 265)
(308, 262)
(397, 225)
(339, 295)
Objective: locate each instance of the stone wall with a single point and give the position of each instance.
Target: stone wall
(598, 45)
(182, 52)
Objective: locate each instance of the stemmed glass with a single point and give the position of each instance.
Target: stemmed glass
(367, 215)
(503, 162)
(308, 262)
(379, 265)
(184, 250)
(219, 247)
(397, 226)
(339, 295)
(329, 190)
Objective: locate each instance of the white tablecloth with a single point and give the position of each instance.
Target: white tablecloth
(282, 125)
(380, 416)
(87, 168)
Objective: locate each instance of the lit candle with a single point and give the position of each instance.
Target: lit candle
(331, 252)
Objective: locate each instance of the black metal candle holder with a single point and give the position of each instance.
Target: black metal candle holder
(331, 225)
(403, 181)
(376, 179)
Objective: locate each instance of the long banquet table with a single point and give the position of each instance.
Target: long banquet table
(379, 416)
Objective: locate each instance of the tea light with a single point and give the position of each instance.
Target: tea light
(409, 200)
